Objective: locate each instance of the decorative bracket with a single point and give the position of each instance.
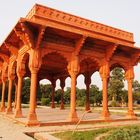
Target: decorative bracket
(11, 48)
(4, 57)
(25, 35)
(40, 36)
(110, 50)
(79, 44)
(135, 58)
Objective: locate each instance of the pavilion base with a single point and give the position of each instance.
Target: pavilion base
(9, 111)
(18, 114)
(32, 120)
(62, 106)
(131, 115)
(2, 109)
(106, 115)
(52, 105)
(73, 117)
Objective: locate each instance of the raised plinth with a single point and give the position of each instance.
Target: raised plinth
(32, 120)
(105, 115)
(131, 115)
(18, 114)
(9, 110)
(73, 117)
(2, 109)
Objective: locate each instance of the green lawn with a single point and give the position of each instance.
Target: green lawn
(119, 133)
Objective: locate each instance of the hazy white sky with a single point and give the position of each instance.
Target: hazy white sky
(123, 14)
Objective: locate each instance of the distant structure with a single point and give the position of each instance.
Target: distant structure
(51, 44)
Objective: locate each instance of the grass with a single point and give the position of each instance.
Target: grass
(82, 135)
(120, 133)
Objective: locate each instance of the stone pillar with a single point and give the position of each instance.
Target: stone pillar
(87, 82)
(53, 92)
(34, 66)
(2, 108)
(18, 112)
(73, 69)
(129, 75)
(32, 117)
(104, 73)
(16, 90)
(9, 104)
(62, 84)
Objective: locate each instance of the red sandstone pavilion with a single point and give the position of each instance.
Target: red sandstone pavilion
(51, 44)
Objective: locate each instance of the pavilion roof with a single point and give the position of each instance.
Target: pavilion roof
(72, 24)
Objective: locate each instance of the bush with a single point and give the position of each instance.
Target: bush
(128, 133)
(45, 101)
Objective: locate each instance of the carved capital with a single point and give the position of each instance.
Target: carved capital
(11, 48)
(87, 78)
(53, 81)
(129, 74)
(104, 70)
(35, 60)
(20, 68)
(62, 82)
(73, 66)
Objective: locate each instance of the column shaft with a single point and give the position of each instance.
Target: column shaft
(18, 112)
(3, 97)
(130, 100)
(32, 117)
(87, 108)
(62, 99)
(73, 113)
(105, 112)
(53, 92)
(9, 106)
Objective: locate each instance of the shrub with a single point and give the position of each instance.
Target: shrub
(128, 133)
(45, 101)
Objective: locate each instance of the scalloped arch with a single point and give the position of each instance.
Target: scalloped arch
(56, 52)
(119, 64)
(90, 58)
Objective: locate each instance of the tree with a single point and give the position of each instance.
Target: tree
(67, 95)
(136, 91)
(46, 90)
(58, 94)
(116, 84)
(95, 95)
(26, 90)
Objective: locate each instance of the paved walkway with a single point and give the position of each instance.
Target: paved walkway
(10, 130)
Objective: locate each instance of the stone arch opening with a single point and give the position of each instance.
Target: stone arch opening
(54, 65)
(117, 93)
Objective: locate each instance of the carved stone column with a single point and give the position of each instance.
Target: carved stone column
(16, 90)
(104, 73)
(34, 66)
(18, 112)
(129, 75)
(2, 108)
(73, 69)
(53, 92)
(87, 82)
(62, 84)
(9, 104)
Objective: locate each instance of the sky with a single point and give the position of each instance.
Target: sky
(122, 14)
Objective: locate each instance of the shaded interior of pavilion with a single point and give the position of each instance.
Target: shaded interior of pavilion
(53, 68)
